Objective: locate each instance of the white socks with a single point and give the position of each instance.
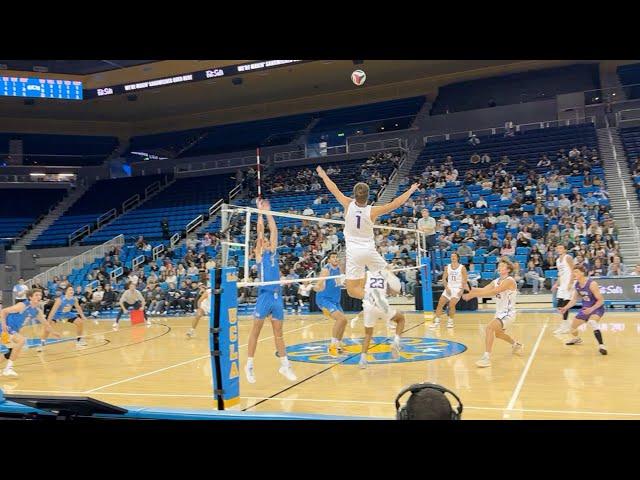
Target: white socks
(284, 361)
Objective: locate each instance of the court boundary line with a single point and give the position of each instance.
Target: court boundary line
(135, 377)
(326, 400)
(523, 375)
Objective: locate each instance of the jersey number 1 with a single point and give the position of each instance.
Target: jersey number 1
(358, 222)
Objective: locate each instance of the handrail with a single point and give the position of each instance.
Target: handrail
(91, 285)
(517, 128)
(137, 261)
(175, 238)
(154, 187)
(78, 261)
(193, 224)
(189, 166)
(157, 250)
(115, 273)
(213, 209)
(235, 191)
(624, 188)
(105, 217)
(79, 233)
(619, 115)
(130, 202)
(348, 148)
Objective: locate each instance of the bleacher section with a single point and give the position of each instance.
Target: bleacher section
(371, 118)
(16, 216)
(225, 138)
(630, 75)
(631, 141)
(101, 197)
(529, 145)
(516, 88)
(180, 203)
(41, 149)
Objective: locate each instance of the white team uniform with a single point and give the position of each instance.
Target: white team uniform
(506, 304)
(361, 246)
(205, 304)
(454, 282)
(565, 288)
(372, 313)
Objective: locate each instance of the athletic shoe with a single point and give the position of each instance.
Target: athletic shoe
(116, 327)
(484, 361)
(95, 313)
(517, 348)
(450, 323)
(7, 354)
(362, 364)
(288, 372)
(436, 323)
(148, 323)
(40, 347)
(574, 341)
(564, 328)
(353, 322)
(333, 350)
(81, 343)
(395, 349)
(191, 333)
(9, 372)
(248, 371)
(602, 349)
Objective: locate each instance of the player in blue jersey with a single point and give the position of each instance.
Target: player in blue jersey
(13, 319)
(328, 300)
(270, 303)
(592, 307)
(66, 309)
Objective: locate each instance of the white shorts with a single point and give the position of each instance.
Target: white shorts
(455, 293)
(506, 319)
(361, 256)
(205, 306)
(373, 314)
(564, 294)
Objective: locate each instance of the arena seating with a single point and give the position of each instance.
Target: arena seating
(630, 75)
(516, 88)
(101, 197)
(15, 217)
(631, 140)
(179, 203)
(41, 149)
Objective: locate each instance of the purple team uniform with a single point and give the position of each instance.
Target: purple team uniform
(588, 300)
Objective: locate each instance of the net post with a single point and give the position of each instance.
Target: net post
(427, 291)
(223, 337)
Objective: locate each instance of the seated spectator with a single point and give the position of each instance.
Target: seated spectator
(636, 271)
(481, 203)
(535, 276)
(507, 249)
(475, 159)
(466, 249)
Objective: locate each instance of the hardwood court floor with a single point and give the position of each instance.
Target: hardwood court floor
(158, 366)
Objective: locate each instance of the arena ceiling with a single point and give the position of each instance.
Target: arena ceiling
(314, 85)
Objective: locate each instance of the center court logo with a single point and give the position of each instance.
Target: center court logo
(414, 349)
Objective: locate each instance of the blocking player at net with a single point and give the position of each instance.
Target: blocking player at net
(270, 303)
(359, 218)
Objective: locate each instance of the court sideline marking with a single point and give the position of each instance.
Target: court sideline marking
(184, 363)
(523, 375)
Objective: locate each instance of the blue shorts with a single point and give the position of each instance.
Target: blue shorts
(269, 303)
(328, 306)
(14, 324)
(68, 316)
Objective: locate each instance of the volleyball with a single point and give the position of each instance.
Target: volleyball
(358, 77)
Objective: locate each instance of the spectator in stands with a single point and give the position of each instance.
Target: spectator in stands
(507, 249)
(133, 278)
(535, 276)
(158, 304)
(486, 158)
(503, 217)
(616, 268)
(475, 159)
(481, 203)
(636, 271)
(164, 226)
(20, 291)
(494, 247)
(96, 300)
(109, 298)
(427, 225)
(466, 249)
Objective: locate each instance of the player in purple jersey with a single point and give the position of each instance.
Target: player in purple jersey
(592, 307)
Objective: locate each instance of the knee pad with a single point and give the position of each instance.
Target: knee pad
(594, 325)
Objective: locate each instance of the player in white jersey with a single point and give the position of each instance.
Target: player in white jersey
(359, 218)
(203, 310)
(564, 286)
(376, 286)
(454, 279)
(505, 289)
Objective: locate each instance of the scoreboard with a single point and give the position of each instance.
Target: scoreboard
(40, 88)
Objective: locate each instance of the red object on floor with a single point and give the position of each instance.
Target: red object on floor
(137, 316)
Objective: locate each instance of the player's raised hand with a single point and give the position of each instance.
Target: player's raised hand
(321, 171)
(414, 187)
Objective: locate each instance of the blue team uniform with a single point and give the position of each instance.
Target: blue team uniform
(15, 321)
(66, 309)
(328, 300)
(270, 301)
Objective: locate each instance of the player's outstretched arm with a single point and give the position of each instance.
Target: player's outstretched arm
(54, 309)
(273, 228)
(333, 188)
(490, 290)
(378, 210)
(571, 303)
